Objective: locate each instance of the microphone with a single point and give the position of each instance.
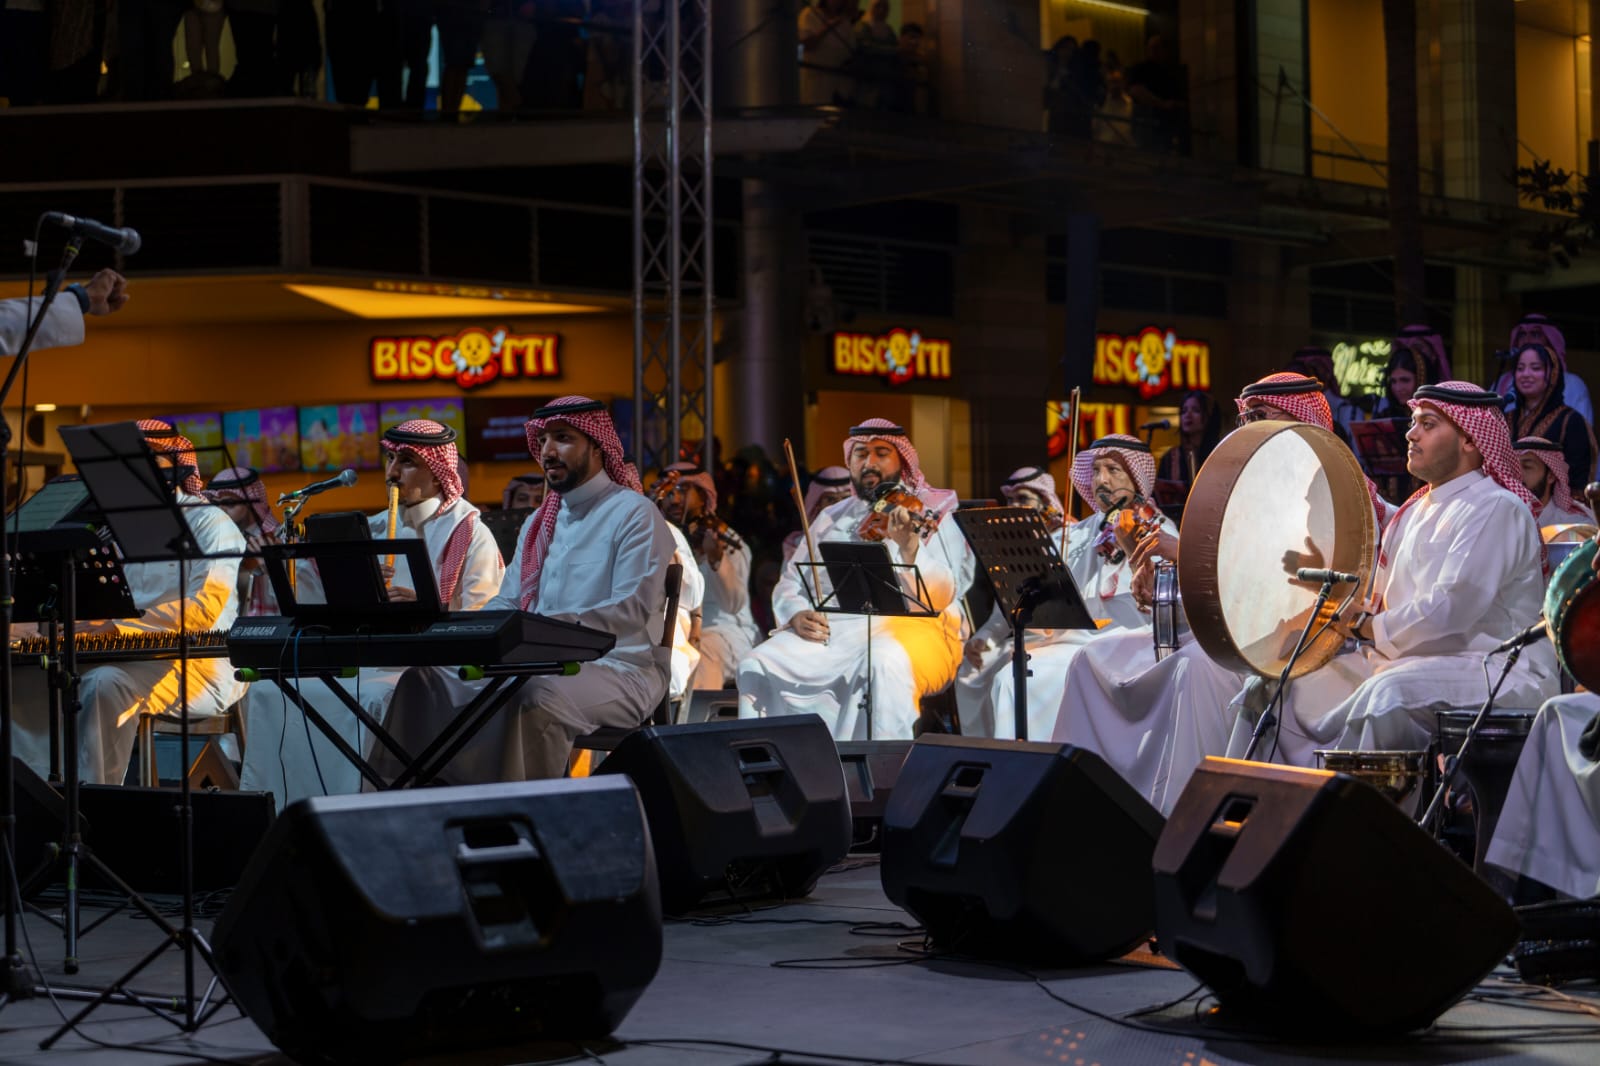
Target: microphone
(1538, 631)
(1331, 577)
(338, 481)
(1160, 423)
(125, 240)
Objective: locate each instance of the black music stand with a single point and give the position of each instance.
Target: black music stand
(1034, 588)
(134, 493)
(866, 581)
(53, 543)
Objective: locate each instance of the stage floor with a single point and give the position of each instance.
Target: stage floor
(861, 997)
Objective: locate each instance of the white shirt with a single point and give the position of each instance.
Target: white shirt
(1463, 571)
(62, 325)
(606, 568)
(1551, 515)
(727, 603)
(212, 601)
(483, 570)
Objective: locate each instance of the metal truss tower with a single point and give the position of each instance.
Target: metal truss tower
(672, 228)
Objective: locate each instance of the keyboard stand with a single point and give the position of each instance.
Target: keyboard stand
(503, 683)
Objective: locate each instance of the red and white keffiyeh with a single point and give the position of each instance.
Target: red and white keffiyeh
(164, 440)
(1537, 329)
(1296, 395)
(511, 487)
(1477, 413)
(590, 418)
(1035, 480)
(1425, 343)
(824, 481)
(689, 474)
(243, 483)
(942, 501)
(1549, 453)
(435, 444)
(1131, 452)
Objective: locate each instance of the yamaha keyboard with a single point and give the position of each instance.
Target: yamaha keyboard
(95, 648)
(461, 638)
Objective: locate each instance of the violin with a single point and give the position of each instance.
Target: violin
(698, 526)
(664, 486)
(1128, 525)
(888, 496)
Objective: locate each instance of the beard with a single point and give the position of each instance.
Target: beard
(868, 491)
(566, 478)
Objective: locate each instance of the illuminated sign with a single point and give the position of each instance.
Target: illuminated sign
(1359, 367)
(898, 355)
(1096, 421)
(1153, 361)
(471, 358)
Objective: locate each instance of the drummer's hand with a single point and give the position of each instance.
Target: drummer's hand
(974, 651)
(1159, 543)
(401, 594)
(904, 534)
(1144, 585)
(810, 625)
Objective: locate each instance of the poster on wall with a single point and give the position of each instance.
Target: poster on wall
(494, 427)
(204, 431)
(445, 410)
(335, 436)
(266, 439)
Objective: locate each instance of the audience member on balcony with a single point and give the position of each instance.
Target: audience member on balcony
(24, 44)
(900, 94)
(1113, 119)
(255, 30)
(508, 37)
(608, 77)
(826, 47)
(1061, 104)
(553, 78)
(1540, 412)
(202, 42)
(876, 62)
(1156, 86)
(460, 30)
(143, 67)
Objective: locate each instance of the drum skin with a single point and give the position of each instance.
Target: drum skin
(1572, 608)
(1273, 497)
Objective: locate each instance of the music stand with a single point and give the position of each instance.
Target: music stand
(864, 580)
(133, 492)
(1034, 588)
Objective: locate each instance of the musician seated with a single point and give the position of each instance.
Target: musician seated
(292, 759)
(828, 486)
(1459, 570)
(721, 560)
(818, 662)
(691, 593)
(1154, 721)
(241, 495)
(1549, 828)
(596, 552)
(525, 491)
(1544, 474)
(114, 695)
(1112, 476)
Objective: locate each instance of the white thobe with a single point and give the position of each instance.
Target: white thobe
(985, 693)
(1551, 515)
(911, 657)
(62, 325)
(293, 759)
(1549, 828)
(1463, 574)
(606, 569)
(114, 695)
(727, 629)
(691, 598)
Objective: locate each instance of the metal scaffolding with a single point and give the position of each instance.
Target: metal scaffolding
(672, 227)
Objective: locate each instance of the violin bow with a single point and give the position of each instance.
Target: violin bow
(1075, 402)
(805, 520)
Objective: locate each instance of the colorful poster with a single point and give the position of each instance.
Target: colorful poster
(266, 439)
(336, 436)
(446, 410)
(205, 433)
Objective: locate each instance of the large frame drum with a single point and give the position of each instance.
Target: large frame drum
(1272, 498)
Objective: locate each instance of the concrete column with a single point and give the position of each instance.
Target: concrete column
(1004, 331)
(1478, 99)
(1482, 323)
(1271, 308)
(991, 65)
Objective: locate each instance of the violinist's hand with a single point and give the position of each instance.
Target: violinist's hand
(1159, 543)
(974, 651)
(401, 594)
(810, 625)
(387, 570)
(904, 534)
(711, 547)
(1144, 585)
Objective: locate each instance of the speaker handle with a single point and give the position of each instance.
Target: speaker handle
(467, 855)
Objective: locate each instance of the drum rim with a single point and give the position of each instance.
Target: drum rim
(1198, 560)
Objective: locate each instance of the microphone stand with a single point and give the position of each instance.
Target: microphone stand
(1452, 763)
(17, 980)
(1268, 719)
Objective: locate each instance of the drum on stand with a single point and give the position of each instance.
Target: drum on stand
(1487, 766)
(1272, 498)
(1572, 610)
(1396, 774)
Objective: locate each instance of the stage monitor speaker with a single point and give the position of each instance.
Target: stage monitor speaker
(388, 925)
(137, 835)
(751, 807)
(1027, 851)
(1312, 906)
(871, 768)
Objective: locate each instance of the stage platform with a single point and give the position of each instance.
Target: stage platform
(832, 976)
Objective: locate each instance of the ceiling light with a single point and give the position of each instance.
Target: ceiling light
(367, 303)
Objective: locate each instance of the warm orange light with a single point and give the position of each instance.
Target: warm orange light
(367, 303)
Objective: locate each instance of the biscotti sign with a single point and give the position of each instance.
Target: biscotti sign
(1152, 361)
(897, 356)
(472, 358)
